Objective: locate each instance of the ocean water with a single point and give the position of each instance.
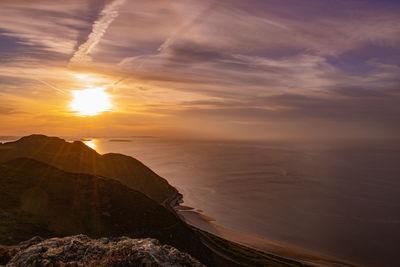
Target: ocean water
(338, 198)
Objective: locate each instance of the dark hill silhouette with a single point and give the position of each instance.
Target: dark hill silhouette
(76, 157)
(39, 199)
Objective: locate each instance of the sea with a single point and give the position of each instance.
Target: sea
(339, 198)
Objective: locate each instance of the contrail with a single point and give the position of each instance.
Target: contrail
(187, 27)
(50, 85)
(99, 28)
(198, 19)
(168, 42)
(44, 82)
(173, 37)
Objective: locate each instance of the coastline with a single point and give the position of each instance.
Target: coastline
(198, 220)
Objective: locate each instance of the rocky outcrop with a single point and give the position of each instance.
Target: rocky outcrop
(80, 250)
(6, 253)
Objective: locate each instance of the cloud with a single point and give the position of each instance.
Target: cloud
(381, 112)
(4, 110)
(359, 92)
(256, 62)
(182, 30)
(107, 16)
(39, 26)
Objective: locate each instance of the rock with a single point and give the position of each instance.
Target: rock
(33, 241)
(5, 254)
(81, 250)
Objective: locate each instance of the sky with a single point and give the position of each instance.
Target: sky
(254, 69)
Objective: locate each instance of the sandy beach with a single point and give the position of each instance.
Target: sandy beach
(205, 223)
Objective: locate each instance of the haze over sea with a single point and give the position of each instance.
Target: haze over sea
(338, 198)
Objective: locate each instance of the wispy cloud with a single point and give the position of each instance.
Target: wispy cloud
(186, 27)
(107, 16)
(262, 64)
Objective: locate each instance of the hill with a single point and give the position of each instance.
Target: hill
(76, 157)
(39, 199)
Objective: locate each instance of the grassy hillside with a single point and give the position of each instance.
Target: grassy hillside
(76, 157)
(38, 199)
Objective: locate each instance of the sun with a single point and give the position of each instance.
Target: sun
(90, 102)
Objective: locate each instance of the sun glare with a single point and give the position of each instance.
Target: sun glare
(90, 102)
(90, 143)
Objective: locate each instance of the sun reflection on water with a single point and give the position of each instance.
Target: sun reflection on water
(90, 143)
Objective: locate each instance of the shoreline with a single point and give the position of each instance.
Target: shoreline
(195, 218)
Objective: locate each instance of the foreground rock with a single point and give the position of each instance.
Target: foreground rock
(80, 250)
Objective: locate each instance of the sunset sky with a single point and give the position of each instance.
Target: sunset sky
(253, 69)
